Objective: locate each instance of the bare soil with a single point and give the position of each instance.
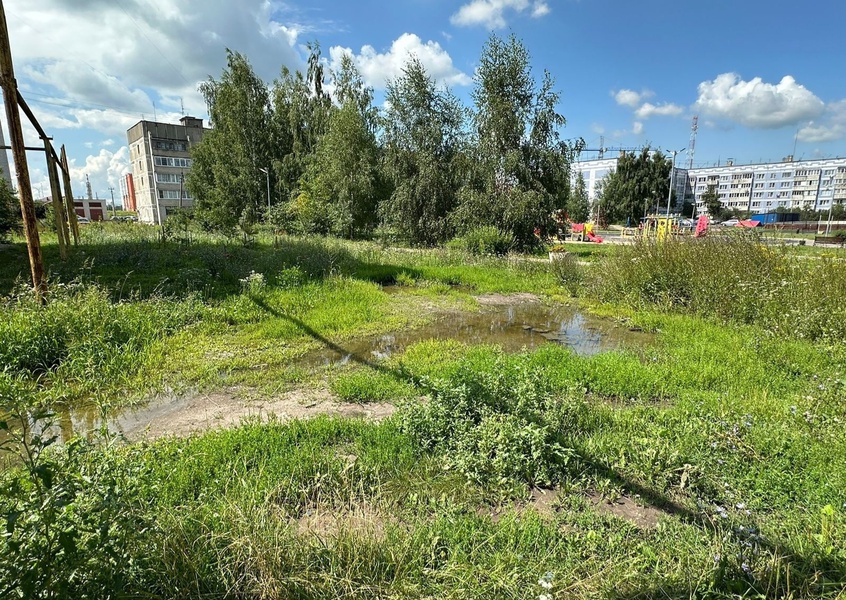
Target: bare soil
(645, 517)
(186, 415)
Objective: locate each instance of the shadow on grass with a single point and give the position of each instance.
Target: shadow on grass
(327, 343)
(142, 267)
(800, 567)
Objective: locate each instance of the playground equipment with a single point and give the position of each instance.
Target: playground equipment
(583, 232)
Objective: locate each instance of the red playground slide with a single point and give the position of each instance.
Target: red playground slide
(593, 238)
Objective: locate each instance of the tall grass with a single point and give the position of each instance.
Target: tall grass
(733, 278)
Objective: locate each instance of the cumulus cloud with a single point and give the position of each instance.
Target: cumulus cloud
(631, 98)
(377, 68)
(104, 167)
(648, 109)
(832, 128)
(492, 13)
(758, 104)
(637, 128)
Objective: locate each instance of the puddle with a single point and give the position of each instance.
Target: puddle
(513, 322)
(513, 326)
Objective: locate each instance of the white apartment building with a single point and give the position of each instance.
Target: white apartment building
(160, 157)
(761, 188)
(594, 171)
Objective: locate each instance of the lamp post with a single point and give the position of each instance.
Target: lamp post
(672, 178)
(830, 206)
(267, 172)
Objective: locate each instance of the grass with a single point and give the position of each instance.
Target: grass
(728, 430)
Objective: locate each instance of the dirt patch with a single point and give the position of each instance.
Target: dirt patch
(645, 517)
(326, 523)
(506, 299)
(185, 415)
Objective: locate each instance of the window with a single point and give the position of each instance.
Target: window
(169, 161)
(170, 145)
(787, 174)
(172, 194)
(169, 178)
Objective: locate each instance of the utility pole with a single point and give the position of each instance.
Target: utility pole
(112, 192)
(672, 178)
(13, 117)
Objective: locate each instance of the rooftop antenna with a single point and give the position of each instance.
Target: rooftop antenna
(88, 187)
(182, 106)
(155, 116)
(692, 145)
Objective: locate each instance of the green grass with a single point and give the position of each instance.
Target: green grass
(728, 426)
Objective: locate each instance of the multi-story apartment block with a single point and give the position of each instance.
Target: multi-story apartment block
(594, 171)
(161, 159)
(757, 188)
(761, 188)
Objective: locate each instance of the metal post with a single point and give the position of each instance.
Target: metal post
(830, 206)
(114, 210)
(672, 179)
(16, 139)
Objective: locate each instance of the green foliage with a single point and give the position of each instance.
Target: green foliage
(422, 136)
(712, 202)
(74, 518)
(368, 385)
(225, 177)
(484, 241)
(521, 167)
(82, 338)
(497, 422)
(567, 270)
(578, 205)
(639, 182)
(10, 212)
(734, 278)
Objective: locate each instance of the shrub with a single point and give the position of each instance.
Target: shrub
(499, 421)
(484, 241)
(733, 278)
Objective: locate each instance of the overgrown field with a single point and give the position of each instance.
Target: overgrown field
(711, 464)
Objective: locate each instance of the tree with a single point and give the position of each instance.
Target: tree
(10, 211)
(711, 199)
(341, 184)
(638, 183)
(578, 206)
(423, 134)
(225, 177)
(523, 166)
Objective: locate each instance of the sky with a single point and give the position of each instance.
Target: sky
(765, 78)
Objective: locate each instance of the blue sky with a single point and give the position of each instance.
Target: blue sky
(762, 76)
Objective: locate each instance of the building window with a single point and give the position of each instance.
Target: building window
(170, 161)
(170, 145)
(169, 178)
(172, 194)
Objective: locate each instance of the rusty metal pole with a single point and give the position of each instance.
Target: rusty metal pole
(58, 203)
(74, 224)
(16, 139)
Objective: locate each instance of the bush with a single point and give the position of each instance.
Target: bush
(484, 241)
(499, 421)
(732, 277)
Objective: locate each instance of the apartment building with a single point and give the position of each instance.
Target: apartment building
(594, 171)
(761, 188)
(160, 157)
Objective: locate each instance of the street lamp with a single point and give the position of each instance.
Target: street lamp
(830, 206)
(672, 178)
(267, 172)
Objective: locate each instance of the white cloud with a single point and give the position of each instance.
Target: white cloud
(637, 128)
(492, 13)
(665, 110)
(832, 128)
(758, 104)
(540, 9)
(99, 52)
(631, 98)
(105, 167)
(377, 68)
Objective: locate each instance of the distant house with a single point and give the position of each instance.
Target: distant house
(161, 160)
(92, 209)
